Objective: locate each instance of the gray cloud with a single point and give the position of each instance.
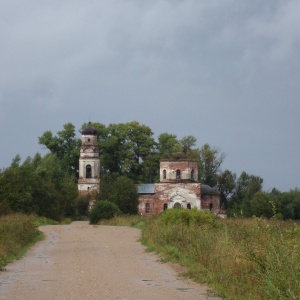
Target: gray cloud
(226, 72)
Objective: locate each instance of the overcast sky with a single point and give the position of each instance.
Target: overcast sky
(224, 71)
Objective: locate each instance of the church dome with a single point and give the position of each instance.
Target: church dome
(206, 189)
(89, 130)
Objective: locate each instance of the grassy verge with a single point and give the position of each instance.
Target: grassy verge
(17, 233)
(135, 221)
(238, 258)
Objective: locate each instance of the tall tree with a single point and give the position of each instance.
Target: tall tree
(167, 144)
(128, 149)
(65, 145)
(187, 143)
(246, 187)
(226, 185)
(210, 160)
(121, 190)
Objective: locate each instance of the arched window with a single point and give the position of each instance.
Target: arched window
(88, 171)
(147, 208)
(164, 174)
(177, 174)
(189, 206)
(192, 174)
(177, 205)
(165, 206)
(210, 206)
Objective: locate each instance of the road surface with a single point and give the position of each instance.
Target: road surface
(82, 261)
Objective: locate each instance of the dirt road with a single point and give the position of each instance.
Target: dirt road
(81, 261)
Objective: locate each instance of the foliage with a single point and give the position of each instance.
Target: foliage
(226, 186)
(168, 143)
(245, 188)
(65, 146)
(187, 143)
(127, 149)
(103, 210)
(16, 231)
(47, 186)
(262, 205)
(239, 258)
(210, 160)
(120, 190)
(187, 217)
(83, 203)
(40, 186)
(136, 221)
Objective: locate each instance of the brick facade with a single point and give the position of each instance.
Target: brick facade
(178, 187)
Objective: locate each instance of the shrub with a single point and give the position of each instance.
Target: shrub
(187, 217)
(83, 202)
(103, 210)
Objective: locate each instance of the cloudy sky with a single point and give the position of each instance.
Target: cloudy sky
(224, 71)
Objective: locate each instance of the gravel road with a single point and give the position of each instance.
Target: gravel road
(81, 261)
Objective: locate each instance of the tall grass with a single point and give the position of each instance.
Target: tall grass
(16, 232)
(136, 221)
(239, 258)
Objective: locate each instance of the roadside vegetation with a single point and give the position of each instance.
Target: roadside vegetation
(239, 258)
(17, 233)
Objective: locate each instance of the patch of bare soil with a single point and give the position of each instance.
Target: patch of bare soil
(81, 261)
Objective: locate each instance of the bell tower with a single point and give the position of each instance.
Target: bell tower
(89, 162)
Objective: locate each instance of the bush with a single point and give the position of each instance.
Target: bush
(103, 210)
(187, 217)
(83, 203)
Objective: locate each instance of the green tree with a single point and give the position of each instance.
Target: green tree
(226, 186)
(210, 160)
(65, 145)
(262, 205)
(128, 149)
(187, 143)
(168, 144)
(246, 187)
(121, 190)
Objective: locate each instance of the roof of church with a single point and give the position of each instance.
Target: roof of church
(146, 188)
(89, 130)
(207, 190)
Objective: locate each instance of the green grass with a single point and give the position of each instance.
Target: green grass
(135, 221)
(238, 258)
(17, 233)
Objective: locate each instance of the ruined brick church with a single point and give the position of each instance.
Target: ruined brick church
(178, 185)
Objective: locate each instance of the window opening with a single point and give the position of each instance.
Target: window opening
(177, 174)
(210, 207)
(164, 174)
(165, 206)
(177, 205)
(88, 173)
(189, 206)
(192, 174)
(147, 208)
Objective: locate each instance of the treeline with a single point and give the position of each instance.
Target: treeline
(48, 185)
(40, 185)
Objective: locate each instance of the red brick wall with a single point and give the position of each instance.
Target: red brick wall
(209, 202)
